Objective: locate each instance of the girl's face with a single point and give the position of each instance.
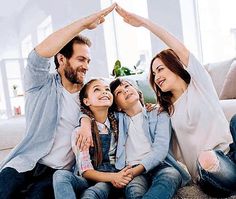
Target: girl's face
(164, 78)
(125, 95)
(98, 95)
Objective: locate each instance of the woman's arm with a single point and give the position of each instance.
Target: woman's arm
(171, 41)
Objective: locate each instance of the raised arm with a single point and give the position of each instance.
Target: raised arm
(170, 40)
(57, 40)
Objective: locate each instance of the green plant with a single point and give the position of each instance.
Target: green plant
(119, 70)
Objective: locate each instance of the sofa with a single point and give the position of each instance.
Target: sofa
(12, 131)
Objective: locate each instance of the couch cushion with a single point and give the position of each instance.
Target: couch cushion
(218, 72)
(229, 108)
(229, 87)
(11, 132)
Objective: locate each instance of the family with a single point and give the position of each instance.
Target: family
(98, 140)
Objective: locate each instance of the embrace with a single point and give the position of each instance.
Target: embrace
(97, 139)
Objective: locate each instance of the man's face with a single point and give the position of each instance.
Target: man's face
(77, 66)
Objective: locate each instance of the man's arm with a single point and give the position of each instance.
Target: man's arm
(57, 40)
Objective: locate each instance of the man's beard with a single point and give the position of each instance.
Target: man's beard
(71, 75)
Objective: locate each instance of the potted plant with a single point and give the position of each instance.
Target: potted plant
(14, 87)
(120, 70)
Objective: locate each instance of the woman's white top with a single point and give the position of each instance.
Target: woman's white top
(198, 120)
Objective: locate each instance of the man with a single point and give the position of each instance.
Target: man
(52, 111)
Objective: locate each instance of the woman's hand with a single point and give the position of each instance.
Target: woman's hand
(150, 107)
(130, 18)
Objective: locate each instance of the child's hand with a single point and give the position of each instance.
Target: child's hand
(122, 178)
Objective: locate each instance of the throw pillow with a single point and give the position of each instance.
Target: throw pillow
(229, 87)
(218, 72)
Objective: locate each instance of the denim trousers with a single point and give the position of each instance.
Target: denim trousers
(34, 184)
(221, 183)
(160, 183)
(68, 185)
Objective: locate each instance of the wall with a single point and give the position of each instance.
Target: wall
(166, 14)
(62, 13)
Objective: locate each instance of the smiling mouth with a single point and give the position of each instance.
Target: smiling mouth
(104, 98)
(160, 83)
(128, 96)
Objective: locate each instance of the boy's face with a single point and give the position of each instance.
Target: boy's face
(125, 96)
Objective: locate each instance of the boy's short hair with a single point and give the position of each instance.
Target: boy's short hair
(117, 82)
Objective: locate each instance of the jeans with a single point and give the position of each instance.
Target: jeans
(221, 183)
(68, 185)
(160, 183)
(34, 184)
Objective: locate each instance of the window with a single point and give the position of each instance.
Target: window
(124, 42)
(26, 46)
(217, 29)
(44, 29)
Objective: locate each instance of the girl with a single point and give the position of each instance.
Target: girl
(144, 143)
(96, 166)
(188, 95)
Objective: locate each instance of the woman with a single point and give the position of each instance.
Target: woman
(184, 89)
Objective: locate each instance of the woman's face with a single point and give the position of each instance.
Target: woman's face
(164, 78)
(98, 95)
(125, 95)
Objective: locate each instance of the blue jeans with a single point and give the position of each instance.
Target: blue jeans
(34, 184)
(221, 183)
(160, 183)
(68, 185)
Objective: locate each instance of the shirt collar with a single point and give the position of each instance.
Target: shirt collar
(101, 125)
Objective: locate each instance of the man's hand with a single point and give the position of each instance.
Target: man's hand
(84, 133)
(123, 177)
(92, 21)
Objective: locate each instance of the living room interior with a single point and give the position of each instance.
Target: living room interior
(208, 29)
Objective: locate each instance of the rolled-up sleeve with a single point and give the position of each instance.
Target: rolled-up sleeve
(36, 72)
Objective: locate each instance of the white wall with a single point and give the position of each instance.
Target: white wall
(167, 14)
(62, 13)
(9, 46)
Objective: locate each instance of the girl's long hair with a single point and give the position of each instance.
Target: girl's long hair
(171, 60)
(97, 155)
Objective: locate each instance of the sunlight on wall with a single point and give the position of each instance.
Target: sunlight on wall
(124, 42)
(217, 27)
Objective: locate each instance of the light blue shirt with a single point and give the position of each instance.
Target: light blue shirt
(157, 128)
(43, 108)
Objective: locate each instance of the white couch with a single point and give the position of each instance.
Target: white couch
(12, 131)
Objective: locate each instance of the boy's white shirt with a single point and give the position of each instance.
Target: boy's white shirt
(137, 144)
